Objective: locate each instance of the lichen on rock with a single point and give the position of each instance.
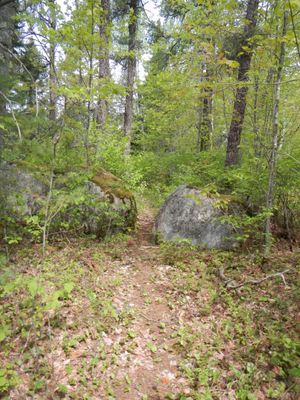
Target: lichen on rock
(188, 214)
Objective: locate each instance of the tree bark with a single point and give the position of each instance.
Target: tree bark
(52, 59)
(206, 123)
(104, 68)
(90, 89)
(131, 72)
(7, 28)
(275, 138)
(244, 59)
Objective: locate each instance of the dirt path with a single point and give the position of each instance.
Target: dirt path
(147, 367)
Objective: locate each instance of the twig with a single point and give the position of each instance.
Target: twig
(232, 284)
(155, 320)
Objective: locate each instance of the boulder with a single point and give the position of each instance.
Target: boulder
(187, 214)
(107, 207)
(20, 191)
(112, 208)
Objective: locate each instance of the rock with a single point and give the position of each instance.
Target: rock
(107, 207)
(21, 191)
(115, 212)
(188, 214)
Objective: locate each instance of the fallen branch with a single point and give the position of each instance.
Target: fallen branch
(232, 284)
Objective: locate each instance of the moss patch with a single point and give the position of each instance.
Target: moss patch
(110, 184)
(114, 186)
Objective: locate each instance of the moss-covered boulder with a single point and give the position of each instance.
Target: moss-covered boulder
(112, 206)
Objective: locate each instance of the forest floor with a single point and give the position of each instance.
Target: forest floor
(125, 319)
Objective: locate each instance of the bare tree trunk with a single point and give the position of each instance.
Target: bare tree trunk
(275, 139)
(52, 75)
(90, 90)
(131, 72)
(104, 69)
(206, 125)
(234, 135)
(256, 141)
(7, 13)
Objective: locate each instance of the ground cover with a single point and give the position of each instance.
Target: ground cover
(128, 319)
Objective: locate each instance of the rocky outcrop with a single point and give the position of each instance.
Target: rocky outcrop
(112, 208)
(190, 215)
(21, 191)
(106, 208)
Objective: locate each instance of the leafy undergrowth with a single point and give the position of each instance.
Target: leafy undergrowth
(124, 319)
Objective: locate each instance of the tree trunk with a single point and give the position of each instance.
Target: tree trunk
(104, 69)
(206, 123)
(90, 90)
(244, 59)
(131, 72)
(52, 75)
(7, 27)
(275, 139)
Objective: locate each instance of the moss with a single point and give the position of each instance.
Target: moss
(114, 186)
(110, 184)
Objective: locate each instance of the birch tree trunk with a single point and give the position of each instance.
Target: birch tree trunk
(131, 73)
(234, 135)
(275, 138)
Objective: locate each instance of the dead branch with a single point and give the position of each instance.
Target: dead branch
(13, 114)
(232, 284)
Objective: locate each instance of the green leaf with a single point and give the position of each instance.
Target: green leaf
(131, 334)
(68, 287)
(4, 332)
(152, 347)
(32, 287)
(4, 382)
(295, 372)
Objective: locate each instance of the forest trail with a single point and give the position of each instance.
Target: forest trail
(148, 367)
(136, 321)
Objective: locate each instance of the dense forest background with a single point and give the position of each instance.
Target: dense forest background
(206, 94)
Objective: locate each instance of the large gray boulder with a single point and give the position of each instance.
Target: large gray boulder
(189, 215)
(21, 191)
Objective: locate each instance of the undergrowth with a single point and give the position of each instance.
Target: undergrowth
(58, 314)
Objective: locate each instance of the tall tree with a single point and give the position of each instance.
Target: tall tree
(7, 30)
(131, 71)
(245, 52)
(104, 68)
(275, 136)
(52, 62)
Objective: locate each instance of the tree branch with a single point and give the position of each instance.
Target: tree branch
(13, 114)
(232, 284)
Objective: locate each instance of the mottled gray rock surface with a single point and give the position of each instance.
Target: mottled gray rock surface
(20, 190)
(188, 214)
